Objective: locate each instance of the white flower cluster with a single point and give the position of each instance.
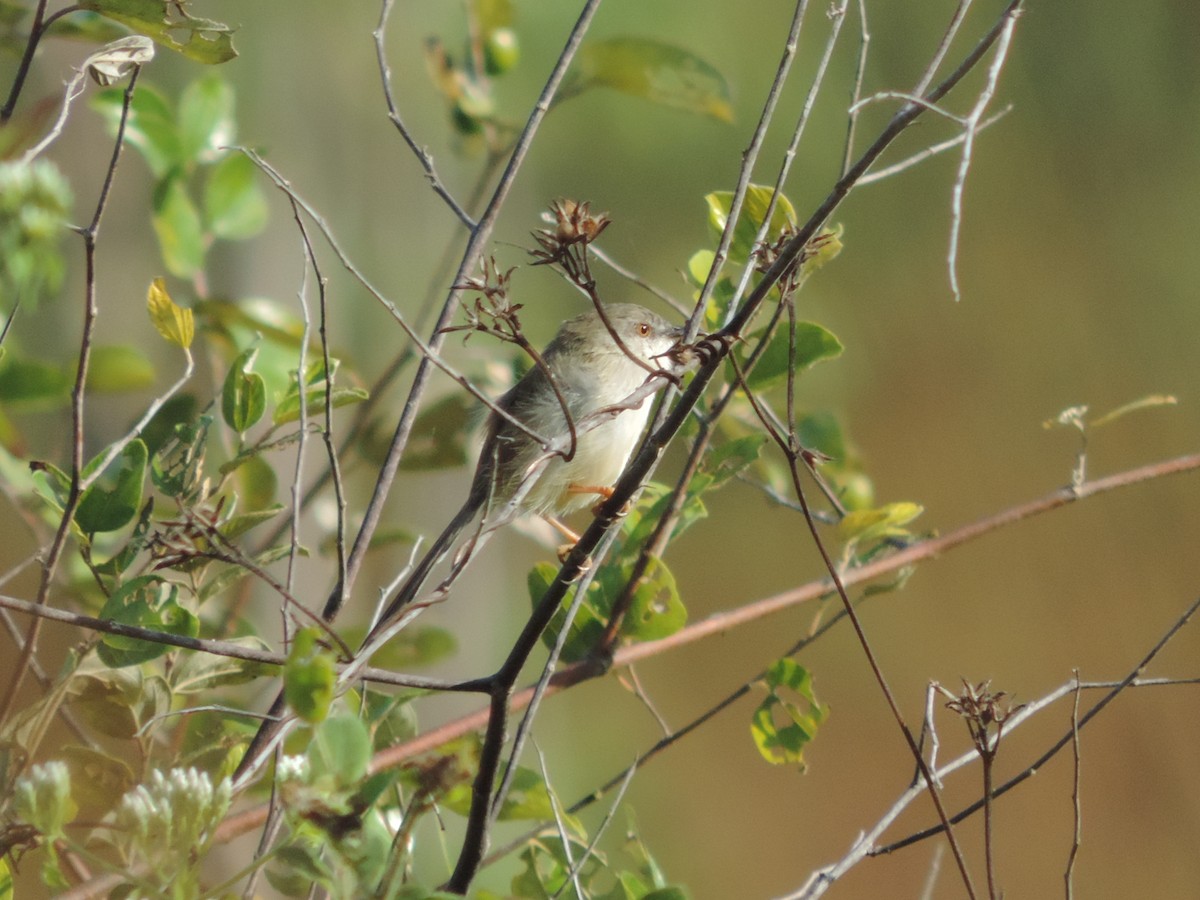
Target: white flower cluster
(173, 815)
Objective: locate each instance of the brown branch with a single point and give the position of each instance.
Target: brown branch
(1072, 733)
(720, 623)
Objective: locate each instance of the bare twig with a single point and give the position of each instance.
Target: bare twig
(934, 150)
(749, 158)
(970, 129)
(50, 565)
(838, 16)
(864, 43)
(556, 807)
(1028, 772)
(1077, 831)
(865, 845)
(36, 30)
(423, 156)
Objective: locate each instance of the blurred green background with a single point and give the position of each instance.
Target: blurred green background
(1079, 285)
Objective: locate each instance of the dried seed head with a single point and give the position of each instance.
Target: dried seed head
(575, 226)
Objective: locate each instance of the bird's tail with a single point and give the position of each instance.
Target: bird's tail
(437, 551)
(266, 735)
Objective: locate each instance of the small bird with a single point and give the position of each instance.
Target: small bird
(593, 369)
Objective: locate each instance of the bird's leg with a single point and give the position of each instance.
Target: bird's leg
(604, 493)
(564, 550)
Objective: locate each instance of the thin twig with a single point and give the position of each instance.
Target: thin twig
(749, 159)
(838, 17)
(1077, 831)
(1029, 771)
(934, 150)
(423, 156)
(31, 43)
(556, 808)
(75, 492)
(864, 42)
(609, 814)
(971, 128)
(865, 846)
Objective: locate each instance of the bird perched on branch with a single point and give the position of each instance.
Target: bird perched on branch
(579, 400)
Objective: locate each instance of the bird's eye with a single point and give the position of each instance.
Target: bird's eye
(643, 328)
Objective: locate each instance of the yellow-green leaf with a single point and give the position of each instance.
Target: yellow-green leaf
(1142, 403)
(750, 219)
(173, 322)
(874, 524)
(781, 727)
(658, 72)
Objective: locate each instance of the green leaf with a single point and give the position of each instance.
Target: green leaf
(390, 718)
(656, 610)
(643, 519)
(33, 384)
(288, 409)
(813, 344)
(784, 742)
(728, 459)
(142, 534)
(658, 72)
(822, 248)
(823, 433)
(115, 368)
(239, 524)
(201, 40)
(178, 464)
(148, 602)
(177, 224)
(197, 673)
(754, 211)
(546, 872)
(528, 798)
(114, 499)
(176, 324)
(150, 128)
(180, 409)
(51, 483)
(86, 27)
(667, 893)
(588, 624)
(206, 121)
(340, 750)
(257, 484)
(309, 677)
(232, 574)
(244, 395)
(699, 265)
(106, 700)
(234, 205)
